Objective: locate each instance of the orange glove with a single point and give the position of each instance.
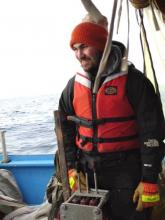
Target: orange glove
(147, 195)
(73, 180)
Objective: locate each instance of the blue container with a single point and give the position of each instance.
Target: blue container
(32, 173)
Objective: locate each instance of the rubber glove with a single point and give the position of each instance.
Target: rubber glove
(146, 195)
(73, 180)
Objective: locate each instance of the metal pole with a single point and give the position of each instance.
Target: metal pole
(5, 158)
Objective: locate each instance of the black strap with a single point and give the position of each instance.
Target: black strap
(91, 123)
(107, 140)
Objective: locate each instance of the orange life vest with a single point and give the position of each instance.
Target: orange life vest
(108, 123)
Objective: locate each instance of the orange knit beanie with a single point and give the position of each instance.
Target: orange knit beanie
(90, 34)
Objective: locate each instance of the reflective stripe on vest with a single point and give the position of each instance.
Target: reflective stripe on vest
(115, 123)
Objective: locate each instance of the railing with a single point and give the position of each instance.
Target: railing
(5, 158)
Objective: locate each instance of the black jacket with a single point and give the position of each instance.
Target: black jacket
(148, 110)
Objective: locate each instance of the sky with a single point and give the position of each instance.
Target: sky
(35, 57)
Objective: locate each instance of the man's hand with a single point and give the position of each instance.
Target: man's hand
(146, 195)
(73, 180)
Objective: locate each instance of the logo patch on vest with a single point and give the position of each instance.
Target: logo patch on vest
(111, 90)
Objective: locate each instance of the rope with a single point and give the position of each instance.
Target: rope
(106, 50)
(124, 62)
(146, 52)
(154, 18)
(119, 15)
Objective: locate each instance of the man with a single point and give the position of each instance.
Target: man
(118, 131)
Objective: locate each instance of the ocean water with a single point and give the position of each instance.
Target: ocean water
(29, 124)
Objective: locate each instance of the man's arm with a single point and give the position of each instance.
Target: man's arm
(146, 104)
(69, 128)
(150, 119)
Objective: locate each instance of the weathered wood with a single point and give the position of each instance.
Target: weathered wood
(61, 150)
(92, 10)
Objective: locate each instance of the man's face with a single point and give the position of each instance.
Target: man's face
(89, 57)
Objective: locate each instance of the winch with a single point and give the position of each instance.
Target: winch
(85, 205)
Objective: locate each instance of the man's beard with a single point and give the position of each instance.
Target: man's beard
(95, 61)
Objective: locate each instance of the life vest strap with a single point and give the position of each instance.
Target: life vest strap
(80, 121)
(91, 123)
(106, 140)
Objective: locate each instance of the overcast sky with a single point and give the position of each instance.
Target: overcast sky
(35, 57)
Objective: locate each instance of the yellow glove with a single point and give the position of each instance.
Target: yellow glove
(73, 180)
(146, 195)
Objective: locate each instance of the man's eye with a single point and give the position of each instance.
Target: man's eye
(83, 46)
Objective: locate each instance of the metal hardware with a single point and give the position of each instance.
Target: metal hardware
(3, 144)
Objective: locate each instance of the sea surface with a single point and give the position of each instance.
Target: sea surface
(29, 124)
